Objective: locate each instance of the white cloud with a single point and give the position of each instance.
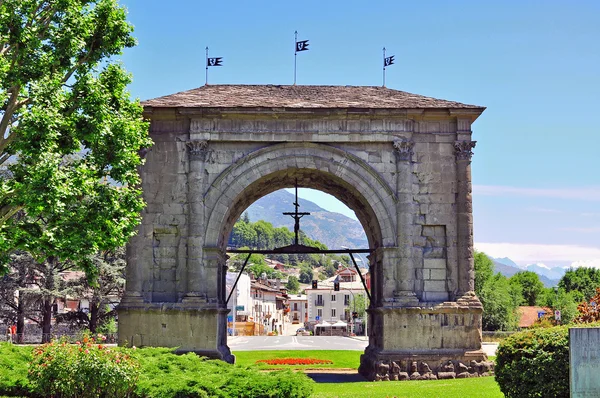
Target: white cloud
(532, 253)
(590, 214)
(544, 210)
(578, 193)
(585, 230)
(595, 263)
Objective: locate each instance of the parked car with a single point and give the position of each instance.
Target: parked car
(300, 331)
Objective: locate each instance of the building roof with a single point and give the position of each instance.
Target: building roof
(278, 96)
(529, 314)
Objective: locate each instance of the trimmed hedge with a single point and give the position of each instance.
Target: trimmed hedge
(14, 362)
(164, 374)
(535, 363)
(167, 375)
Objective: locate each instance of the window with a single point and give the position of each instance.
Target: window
(333, 312)
(306, 305)
(295, 306)
(346, 299)
(332, 297)
(320, 312)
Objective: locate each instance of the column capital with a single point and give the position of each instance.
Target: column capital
(198, 149)
(403, 149)
(464, 149)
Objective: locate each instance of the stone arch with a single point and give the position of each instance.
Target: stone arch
(317, 166)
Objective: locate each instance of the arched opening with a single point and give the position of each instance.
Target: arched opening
(330, 291)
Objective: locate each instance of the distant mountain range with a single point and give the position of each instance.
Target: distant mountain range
(338, 231)
(549, 276)
(335, 230)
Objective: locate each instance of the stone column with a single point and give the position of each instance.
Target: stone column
(196, 281)
(464, 217)
(404, 287)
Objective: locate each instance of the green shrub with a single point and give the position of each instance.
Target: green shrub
(534, 363)
(164, 374)
(82, 370)
(14, 360)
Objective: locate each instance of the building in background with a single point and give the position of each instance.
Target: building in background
(327, 305)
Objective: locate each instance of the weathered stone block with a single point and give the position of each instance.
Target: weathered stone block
(434, 286)
(437, 263)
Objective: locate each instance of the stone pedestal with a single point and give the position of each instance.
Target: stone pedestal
(176, 325)
(435, 339)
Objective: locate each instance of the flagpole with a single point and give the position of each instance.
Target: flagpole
(206, 63)
(383, 67)
(295, 53)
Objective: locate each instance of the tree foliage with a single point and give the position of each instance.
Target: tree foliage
(589, 312)
(104, 294)
(261, 235)
(583, 281)
(529, 285)
(499, 300)
(484, 270)
(292, 284)
(70, 136)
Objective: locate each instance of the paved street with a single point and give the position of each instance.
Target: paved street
(255, 343)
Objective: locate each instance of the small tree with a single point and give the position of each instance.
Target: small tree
(292, 285)
(105, 293)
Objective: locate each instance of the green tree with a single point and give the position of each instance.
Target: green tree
(306, 274)
(105, 293)
(484, 271)
(499, 311)
(359, 303)
(530, 286)
(582, 281)
(70, 136)
(292, 284)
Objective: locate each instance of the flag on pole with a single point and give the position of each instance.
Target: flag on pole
(302, 45)
(214, 61)
(388, 61)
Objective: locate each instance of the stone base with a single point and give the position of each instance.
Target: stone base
(430, 365)
(427, 341)
(176, 325)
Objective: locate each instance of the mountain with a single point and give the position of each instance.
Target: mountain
(502, 265)
(543, 269)
(333, 229)
(506, 261)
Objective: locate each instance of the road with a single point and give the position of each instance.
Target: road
(256, 343)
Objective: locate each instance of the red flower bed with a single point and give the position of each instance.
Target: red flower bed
(294, 361)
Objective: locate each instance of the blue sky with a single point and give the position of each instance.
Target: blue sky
(534, 64)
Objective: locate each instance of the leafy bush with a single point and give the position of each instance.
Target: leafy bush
(535, 363)
(14, 361)
(84, 369)
(167, 375)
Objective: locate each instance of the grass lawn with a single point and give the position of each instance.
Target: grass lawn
(341, 359)
(475, 387)
(458, 388)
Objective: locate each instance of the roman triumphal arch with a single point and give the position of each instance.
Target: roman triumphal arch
(400, 161)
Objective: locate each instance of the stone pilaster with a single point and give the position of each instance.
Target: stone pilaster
(464, 217)
(133, 285)
(404, 286)
(196, 285)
